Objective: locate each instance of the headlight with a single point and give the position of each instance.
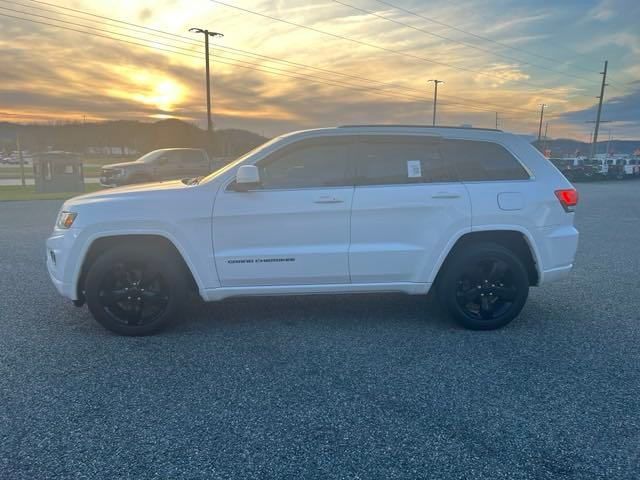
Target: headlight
(113, 172)
(65, 220)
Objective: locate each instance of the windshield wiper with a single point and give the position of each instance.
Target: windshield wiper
(192, 181)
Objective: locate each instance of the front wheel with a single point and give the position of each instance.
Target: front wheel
(133, 291)
(484, 286)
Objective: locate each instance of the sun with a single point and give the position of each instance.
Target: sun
(162, 93)
(166, 95)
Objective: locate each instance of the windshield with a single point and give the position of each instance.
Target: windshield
(238, 160)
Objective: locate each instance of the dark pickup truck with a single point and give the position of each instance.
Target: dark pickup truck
(165, 164)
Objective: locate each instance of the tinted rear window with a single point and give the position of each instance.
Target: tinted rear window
(382, 160)
(482, 161)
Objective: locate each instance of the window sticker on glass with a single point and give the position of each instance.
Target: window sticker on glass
(414, 169)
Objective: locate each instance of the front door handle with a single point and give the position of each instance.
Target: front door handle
(328, 199)
(445, 195)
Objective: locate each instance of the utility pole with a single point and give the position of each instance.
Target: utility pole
(544, 144)
(207, 34)
(435, 98)
(496, 120)
(542, 105)
(609, 143)
(600, 99)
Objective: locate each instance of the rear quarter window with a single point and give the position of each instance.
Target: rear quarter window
(478, 161)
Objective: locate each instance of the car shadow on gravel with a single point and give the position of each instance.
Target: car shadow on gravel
(344, 311)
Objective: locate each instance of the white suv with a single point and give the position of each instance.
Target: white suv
(478, 214)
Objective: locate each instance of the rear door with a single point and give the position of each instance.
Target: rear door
(407, 206)
(294, 228)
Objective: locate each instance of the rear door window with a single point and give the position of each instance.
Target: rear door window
(477, 161)
(397, 159)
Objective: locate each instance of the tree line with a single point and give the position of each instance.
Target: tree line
(126, 137)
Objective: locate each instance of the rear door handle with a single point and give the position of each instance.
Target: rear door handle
(328, 199)
(445, 195)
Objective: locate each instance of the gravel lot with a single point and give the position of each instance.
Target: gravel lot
(329, 387)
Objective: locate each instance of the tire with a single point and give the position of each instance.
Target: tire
(483, 286)
(133, 291)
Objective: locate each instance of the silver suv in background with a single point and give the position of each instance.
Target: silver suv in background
(164, 164)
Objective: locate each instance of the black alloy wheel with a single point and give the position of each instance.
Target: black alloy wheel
(134, 293)
(484, 286)
(486, 289)
(132, 290)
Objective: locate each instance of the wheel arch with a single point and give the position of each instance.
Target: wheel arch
(519, 241)
(159, 241)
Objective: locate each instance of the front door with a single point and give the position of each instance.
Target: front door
(294, 228)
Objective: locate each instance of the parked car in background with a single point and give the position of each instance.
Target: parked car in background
(575, 168)
(600, 166)
(631, 167)
(478, 215)
(164, 164)
(616, 168)
(14, 158)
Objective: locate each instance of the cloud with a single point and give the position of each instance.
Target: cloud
(623, 113)
(70, 75)
(603, 11)
(501, 74)
(145, 14)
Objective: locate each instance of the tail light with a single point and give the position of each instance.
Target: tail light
(568, 199)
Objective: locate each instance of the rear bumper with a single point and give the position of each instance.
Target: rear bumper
(557, 248)
(555, 274)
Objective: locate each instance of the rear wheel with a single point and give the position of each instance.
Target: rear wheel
(133, 291)
(484, 286)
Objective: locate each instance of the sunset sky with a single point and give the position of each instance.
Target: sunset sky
(494, 56)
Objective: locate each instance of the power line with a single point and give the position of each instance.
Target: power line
(233, 53)
(467, 44)
(379, 47)
(263, 69)
(480, 37)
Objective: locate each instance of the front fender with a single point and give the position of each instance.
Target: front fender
(197, 257)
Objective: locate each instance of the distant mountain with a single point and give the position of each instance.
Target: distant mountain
(123, 135)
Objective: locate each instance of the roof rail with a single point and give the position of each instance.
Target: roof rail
(420, 126)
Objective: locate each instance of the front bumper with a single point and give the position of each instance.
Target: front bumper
(59, 265)
(111, 181)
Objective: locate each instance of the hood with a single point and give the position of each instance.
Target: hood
(139, 192)
(120, 165)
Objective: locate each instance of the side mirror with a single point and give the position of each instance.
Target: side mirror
(247, 177)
